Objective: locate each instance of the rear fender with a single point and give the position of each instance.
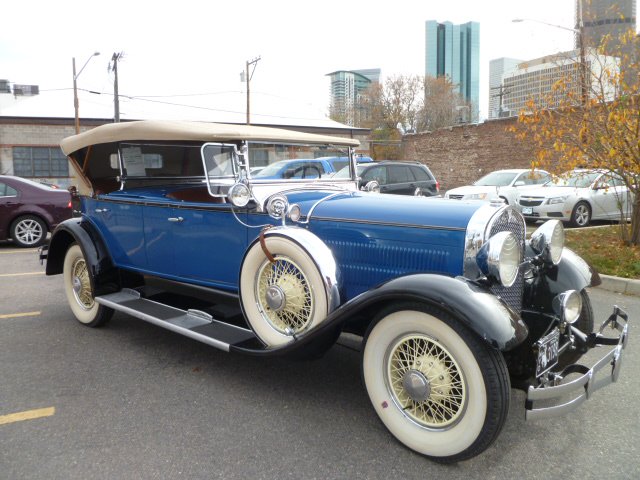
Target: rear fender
(83, 233)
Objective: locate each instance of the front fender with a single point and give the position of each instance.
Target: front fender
(83, 233)
(572, 273)
(470, 303)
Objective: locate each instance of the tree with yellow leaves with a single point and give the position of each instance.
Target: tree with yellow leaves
(592, 120)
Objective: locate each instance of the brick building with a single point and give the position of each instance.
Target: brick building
(460, 155)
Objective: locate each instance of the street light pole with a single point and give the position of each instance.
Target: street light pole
(248, 78)
(583, 61)
(76, 103)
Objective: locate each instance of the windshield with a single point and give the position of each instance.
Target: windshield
(496, 179)
(271, 161)
(344, 172)
(574, 179)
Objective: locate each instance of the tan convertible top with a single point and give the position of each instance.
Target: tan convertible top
(193, 131)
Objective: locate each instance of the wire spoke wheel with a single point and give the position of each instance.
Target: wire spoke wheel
(426, 381)
(284, 295)
(82, 284)
(79, 291)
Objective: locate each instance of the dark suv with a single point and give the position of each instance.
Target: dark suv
(401, 178)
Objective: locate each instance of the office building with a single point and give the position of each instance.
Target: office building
(497, 68)
(454, 51)
(602, 18)
(534, 80)
(347, 92)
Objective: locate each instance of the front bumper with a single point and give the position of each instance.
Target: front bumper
(555, 211)
(586, 384)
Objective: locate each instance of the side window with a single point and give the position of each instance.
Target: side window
(420, 174)
(399, 174)
(7, 191)
(379, 174)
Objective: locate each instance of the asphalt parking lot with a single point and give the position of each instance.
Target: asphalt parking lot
(131, 400)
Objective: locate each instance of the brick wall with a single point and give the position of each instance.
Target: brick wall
(460, 155)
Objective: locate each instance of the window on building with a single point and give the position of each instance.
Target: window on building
(39, 162)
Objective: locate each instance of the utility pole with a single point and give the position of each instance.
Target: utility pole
(501, 94)
(248, 77)
(113, 67)
(583, 60)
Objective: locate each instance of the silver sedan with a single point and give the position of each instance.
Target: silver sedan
(578, 197)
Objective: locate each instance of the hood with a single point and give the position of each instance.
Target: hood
(471, 189)
(398, 210)
(550, 192)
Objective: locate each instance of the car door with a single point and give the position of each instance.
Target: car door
(209, 243)
(400, 180)
(8, 203)
(606, 198)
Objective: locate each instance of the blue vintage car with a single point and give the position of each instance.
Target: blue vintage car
(453, 303)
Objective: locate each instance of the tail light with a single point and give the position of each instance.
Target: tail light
(69, 204)
(437, 186)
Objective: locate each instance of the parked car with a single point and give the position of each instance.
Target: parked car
(29, 210)
(451, 300)
(502, 184)
(400, 178)
(578, 197)
(304, 168)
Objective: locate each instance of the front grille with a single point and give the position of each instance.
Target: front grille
(509, 220)
(531, 202)
(456, 197)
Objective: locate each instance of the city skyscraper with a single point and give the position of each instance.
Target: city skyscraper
(454, 51)
(497, 68)
(604, 17)
(347, 88)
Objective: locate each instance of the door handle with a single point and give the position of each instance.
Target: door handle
(102, 210)
(175, 219)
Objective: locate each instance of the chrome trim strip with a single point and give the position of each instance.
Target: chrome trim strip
(390, 224)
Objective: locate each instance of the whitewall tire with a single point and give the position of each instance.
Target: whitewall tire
(282, 298)
(77, 286)
(439, 388)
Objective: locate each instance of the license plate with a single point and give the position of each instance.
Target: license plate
(527, 211)
(547, 351)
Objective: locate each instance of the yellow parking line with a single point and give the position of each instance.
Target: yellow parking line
(23, 314)
(20, 274)
(27, 415)
(28, 250)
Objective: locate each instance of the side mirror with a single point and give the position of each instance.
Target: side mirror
(288, 173)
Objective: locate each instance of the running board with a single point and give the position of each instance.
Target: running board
(194, 324)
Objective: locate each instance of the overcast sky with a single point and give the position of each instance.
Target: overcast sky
(188, 47)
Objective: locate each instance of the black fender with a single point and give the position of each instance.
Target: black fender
(85, 234)
(572, 273)
(469, 302)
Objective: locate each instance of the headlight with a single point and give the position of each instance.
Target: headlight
(554, 200)
(239, 195)
(548, 240)
(500, 258)
(476, 196)
(568, 305)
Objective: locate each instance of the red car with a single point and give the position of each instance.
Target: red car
(28, 210)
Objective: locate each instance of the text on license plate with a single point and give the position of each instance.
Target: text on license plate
(527, 211)
(547, 351)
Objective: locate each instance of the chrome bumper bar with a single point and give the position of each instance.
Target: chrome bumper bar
(587, 383)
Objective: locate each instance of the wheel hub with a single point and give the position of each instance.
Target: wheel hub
(417, 386)
(77, 284)
(276, 298)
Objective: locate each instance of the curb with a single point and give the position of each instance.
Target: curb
(626, 286)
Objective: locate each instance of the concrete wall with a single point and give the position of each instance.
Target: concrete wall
(460, 155)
